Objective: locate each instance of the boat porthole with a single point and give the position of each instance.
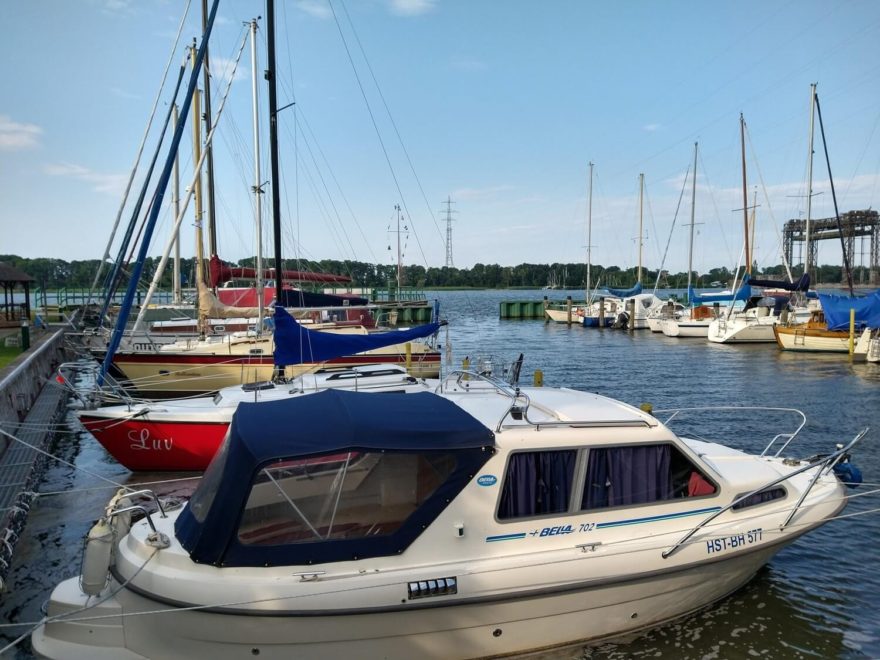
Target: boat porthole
(496, 632)
(634, 615)
(255, 651)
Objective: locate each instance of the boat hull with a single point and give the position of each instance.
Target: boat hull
(795, 338)
(686, 329)
(140, 444)
(595, 322)
(737, 331)
(166, 374)
(528, 622)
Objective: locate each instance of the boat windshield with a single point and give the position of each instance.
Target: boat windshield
(203, 497)
(350, 495)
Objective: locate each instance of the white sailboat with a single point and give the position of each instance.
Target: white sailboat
(696, 322)
(755, 323)
(594, 311)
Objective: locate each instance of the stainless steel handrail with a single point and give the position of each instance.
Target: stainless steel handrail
(149, 495)
(789, 436)
(821, 466)
(516, 396)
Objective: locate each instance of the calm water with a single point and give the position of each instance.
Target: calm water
(817, 599)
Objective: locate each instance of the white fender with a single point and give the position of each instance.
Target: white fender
(96, 558)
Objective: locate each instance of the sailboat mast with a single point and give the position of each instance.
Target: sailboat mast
(197, 206)
(742, 139)
(589, 231)
(693, 218)
(399, 269)
(641, 209)
(273, 146)
(753, 219)
(175, 204)
(206, 71)
(846, 266)
(807, 263)
(258, 192)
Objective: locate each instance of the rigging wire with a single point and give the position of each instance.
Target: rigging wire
(376, 128)
(393, 123)
(140, 151)
(769, 205)
(671, 229)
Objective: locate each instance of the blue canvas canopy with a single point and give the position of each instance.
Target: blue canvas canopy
(836, 309)
(295, 344)
(743, 293)
(625, 293)
(325, 423)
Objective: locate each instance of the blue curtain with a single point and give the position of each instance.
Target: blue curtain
(618, 476)
(537, 483)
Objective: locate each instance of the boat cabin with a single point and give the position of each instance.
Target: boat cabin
(340, 475)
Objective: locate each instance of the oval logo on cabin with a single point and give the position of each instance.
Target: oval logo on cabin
(487, 480)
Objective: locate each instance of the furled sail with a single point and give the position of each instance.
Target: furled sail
(625, 293)
(295, 344)
(212, 308)
(220, 272)
(803, 284)
(743, 293)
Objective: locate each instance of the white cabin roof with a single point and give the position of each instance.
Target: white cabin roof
(547, 405)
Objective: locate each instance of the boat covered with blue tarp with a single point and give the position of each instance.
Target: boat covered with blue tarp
(837, 309)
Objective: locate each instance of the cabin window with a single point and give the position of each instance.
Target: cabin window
(621, 476)
(759, 498)
(537, 483)
(347, 495)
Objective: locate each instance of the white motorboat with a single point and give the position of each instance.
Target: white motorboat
(478, 520)
(586, 314)
(694, 324)
(668, 310)
(643, 305)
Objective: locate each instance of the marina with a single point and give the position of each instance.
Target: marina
(632, 411)
(798, 601)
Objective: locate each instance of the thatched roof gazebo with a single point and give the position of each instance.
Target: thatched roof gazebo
(13, 312)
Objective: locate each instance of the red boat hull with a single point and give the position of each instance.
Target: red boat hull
(142, 445)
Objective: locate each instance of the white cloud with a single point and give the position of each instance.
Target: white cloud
(15, 136)
(221, 70)
(103, 183)
(650, 128)
(411, 7)
(315, 8)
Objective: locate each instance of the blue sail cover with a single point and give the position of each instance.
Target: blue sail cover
(295, 344)
(743, 293)
(625, 293)
(803, 284)
(836, 309)
(325, 423)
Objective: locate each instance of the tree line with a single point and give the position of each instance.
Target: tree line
(58, 274)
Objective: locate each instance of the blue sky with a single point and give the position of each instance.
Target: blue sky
(500, 105)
